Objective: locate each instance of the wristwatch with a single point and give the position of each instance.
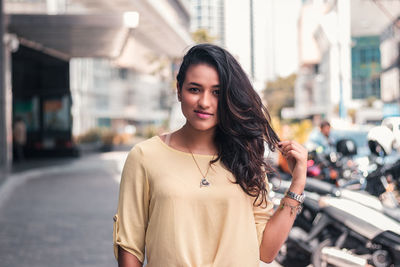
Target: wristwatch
(297, 197)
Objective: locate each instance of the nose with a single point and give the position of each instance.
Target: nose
(205, 100)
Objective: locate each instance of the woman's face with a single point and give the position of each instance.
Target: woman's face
(199, 97)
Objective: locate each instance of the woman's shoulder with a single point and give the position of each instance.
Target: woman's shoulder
(147, 144)
(146, 148)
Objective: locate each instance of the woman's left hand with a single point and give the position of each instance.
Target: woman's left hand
(296, 156)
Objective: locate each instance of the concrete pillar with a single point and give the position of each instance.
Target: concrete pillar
(5, 102)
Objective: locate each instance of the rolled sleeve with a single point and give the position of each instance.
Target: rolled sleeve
(130, 222)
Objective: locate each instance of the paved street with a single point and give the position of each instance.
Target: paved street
(63, 218)
(61, 215)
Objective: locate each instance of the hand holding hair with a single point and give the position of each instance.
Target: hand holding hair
(296, 156)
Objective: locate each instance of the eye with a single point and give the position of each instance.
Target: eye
(193, 89)
(216, 92)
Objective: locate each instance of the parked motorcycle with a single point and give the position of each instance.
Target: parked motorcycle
(334, 231)
(352, 234)
(376, 173)
(341, 227)
(332, 166)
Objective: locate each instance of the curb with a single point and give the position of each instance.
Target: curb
(12, 181)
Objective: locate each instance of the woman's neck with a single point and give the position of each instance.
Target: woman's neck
(197, 142)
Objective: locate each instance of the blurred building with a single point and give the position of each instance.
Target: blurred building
(368, 20)
(390, 64)
(308, 99)
(241, 26)
(340, 68)
(209, 15)
(246, 37)
(366, 67)
(77, 64)
(282, 36)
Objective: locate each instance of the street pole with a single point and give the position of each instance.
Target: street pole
(252, 40)
(5, 105)
(342, 107)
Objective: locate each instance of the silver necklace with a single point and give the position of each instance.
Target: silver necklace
(204, 182)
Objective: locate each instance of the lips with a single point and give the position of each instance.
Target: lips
(202, 114)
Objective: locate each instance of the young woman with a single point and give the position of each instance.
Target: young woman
(198, 196)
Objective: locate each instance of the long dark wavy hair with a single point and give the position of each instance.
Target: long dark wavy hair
(243, 121)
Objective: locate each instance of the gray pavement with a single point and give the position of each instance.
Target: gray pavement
(61, 215)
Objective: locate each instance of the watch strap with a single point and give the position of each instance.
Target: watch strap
(299, 198)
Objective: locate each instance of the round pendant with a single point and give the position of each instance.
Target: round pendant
(204, 182)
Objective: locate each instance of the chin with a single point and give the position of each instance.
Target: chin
(203, 127)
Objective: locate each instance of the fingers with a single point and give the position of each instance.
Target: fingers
(296, 156)
(293, 149)
(286, 146)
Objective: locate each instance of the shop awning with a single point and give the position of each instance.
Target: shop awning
(86, 35)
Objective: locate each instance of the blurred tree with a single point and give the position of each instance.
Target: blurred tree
(370, 101)
(279, 94)
(352, 112)
(203, 36)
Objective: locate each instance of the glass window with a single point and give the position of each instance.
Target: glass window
(376, 90)
(362, 56)
(28, 110)
(56, 116)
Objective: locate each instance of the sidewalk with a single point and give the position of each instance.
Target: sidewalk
(32, 168)
(59, 214)
(37, 163)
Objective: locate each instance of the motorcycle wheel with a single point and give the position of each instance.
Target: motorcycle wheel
(316, 258)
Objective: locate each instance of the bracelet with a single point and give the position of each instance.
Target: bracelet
(299, 198)
(293, 209)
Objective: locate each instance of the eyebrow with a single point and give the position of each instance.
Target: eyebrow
(199, 85)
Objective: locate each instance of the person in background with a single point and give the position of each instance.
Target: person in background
(322, 138)
(19, 139)
(198, 196)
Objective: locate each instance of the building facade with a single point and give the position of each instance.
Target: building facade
(342, 75)
(390, 63)
(209, 15)
(366, 67)
(76, 64)
(242, 28)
